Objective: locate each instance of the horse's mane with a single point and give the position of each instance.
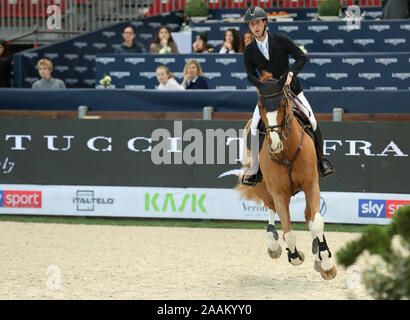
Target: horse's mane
(265, 75)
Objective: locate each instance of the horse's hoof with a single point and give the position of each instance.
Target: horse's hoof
(328, 274)
(298, 261)
(275, 254)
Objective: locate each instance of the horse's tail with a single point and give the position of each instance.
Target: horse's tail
(252, 193)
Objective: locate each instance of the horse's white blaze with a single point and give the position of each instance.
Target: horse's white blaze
(276, 145)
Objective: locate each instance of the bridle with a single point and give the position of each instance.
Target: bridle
(287, 118)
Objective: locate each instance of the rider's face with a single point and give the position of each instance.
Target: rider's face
(257, 27)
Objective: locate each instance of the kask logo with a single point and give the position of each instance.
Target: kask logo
(162, 203)
(372, 208)
(20, 199)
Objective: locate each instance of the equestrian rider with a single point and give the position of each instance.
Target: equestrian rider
(270, 52)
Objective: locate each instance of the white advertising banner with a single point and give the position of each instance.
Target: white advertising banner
(188, 203)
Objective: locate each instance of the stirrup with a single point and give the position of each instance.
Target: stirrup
(252, 179)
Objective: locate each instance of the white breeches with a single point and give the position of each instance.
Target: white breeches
(306, 109)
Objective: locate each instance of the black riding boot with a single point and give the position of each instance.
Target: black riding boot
(255, 176)
(325, 167)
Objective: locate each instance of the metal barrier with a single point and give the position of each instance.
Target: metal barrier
(28, 19)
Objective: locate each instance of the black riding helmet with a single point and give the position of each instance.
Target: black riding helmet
(255, 13)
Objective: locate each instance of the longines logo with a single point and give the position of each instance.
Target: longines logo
(318, 28)
(31, 55)
(303, 42)
(51, 56)
(201, 29)
(145, 36)
(61, 68)
(363, 42)
(385, 61)
(369, 76)
(379, 27)
(134, 61)
(225, 61)
(401, 76)
(288, 29)
(336, 76)
(120, 74)
(80, 44)
(200, 60)
(85, 200)
(80, 69)
(89, 57)
(99, 45)
(105, 60)
(305, 75)
(71, 56)
(212, 75)
(71, 81)
(164, 60)
(148, 75)
(109, 34)
(229, 27)
(239, 75)
(352, 61)
(333, 42)
(320, 61)
(395, 42)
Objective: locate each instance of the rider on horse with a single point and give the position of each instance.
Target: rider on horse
(270, 52)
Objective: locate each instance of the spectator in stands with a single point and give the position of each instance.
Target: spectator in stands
(129, 45)
(231, 42)
(5, 65)
(45, 68)
(396, 9)
(163, 42)
(201, 45)
(166, 80)
(193, 76)
(246, 39)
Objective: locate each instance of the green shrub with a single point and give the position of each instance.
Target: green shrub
(377, 240)
(196, 8)
(329, 8)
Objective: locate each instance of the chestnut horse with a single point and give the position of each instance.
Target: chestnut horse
(288, 164)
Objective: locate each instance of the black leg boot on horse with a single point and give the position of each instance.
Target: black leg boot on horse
(253, 175)
(325, 167)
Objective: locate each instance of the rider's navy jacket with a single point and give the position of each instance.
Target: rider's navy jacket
(280, 47)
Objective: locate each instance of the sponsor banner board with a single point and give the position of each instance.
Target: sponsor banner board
(188, 203)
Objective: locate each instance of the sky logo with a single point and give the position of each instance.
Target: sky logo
(379, 208)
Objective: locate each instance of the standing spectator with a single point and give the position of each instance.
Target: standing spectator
(45, 68)
(5, 65)
(166, 80)
(201, 45)
(246, 39)
(163, 42)
(129, 45)
(395, 9)
(231, 42)
(193, 76)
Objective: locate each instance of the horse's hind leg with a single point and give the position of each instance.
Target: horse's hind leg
(323, 261)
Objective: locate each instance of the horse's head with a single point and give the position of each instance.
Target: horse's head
(273, 108)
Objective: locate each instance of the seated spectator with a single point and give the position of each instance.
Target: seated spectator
(166, 80)
(193, 76)
(246, 39)
(129, 45)
(231, 42)
(163, 42)
(5, 65)
(45, 68)
(201, 45)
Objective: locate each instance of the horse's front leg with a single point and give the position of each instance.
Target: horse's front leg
(274, 248)
(323, 261)
(295, 256)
